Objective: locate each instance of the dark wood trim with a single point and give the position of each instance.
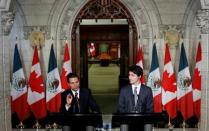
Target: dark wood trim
(113, 9)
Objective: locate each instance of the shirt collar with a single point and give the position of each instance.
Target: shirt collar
(138, 88)
(73, 91)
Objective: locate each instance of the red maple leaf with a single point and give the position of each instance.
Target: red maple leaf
(36, 83)
(169, 83)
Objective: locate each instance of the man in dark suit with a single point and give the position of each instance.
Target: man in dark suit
(135, 97)
(77, 100)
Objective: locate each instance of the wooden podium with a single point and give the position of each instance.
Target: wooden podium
(146, 120)
(90, 121)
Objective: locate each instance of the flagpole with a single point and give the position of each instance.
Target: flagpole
(55, 126)
(20, 126)
(37, 125)
(170, 126)
(198, 125)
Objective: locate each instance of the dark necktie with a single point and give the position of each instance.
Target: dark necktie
(76, 106)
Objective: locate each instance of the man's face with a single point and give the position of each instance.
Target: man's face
(74, 83)
(133, 78)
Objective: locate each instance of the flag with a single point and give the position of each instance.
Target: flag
(154, 81)
(92, 50)
(36, 89)
(53, 85)
(66, 68)
(184, 87)
(196, 83)
(140, 62)
(169, 86)
(19, 89)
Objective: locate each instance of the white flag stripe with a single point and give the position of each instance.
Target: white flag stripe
(37, 69)
(66, 66)
(155, 73)
(14, 92)
(51, 94)
(154, 76)
(167, 96)
(156, 92)
(197, 95)
(182, 90)
(33, 97)
(169, 68)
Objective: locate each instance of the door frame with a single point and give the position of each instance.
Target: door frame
(84, 14)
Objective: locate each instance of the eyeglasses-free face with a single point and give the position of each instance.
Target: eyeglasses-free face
(74, 83)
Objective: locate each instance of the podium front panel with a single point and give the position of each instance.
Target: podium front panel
(145, 118)
(75, 119)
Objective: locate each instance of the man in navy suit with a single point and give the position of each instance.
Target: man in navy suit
(76, 99)
(135, 97)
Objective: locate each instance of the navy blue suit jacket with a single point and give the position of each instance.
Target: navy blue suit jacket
(86, 101)
(126, 100)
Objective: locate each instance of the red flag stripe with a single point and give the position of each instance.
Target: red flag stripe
(140, 62)
(21, 107)
(196, 83)
(66, 68)
(158, 103)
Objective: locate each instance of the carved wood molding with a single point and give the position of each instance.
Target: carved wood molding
(104, 9)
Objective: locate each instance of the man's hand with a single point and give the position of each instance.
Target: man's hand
(69, 99)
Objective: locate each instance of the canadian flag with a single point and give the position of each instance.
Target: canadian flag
(184, 87)
(169, 86)
(196, 83)
(154, 81)
(36, 90)
(140, 62)
(53, 85)
(19, 89)
(92, 50)
(66, 68)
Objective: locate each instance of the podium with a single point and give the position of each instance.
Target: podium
(144, 119)
(89, 121)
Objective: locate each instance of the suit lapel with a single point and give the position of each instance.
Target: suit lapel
(130, 95)
(70, 92)
(81, 98)
(141, 93)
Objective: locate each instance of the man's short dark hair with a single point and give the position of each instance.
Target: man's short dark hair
(136, 70)
(71, 75)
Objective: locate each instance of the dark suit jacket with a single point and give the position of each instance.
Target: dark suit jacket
(86, 101)
(126, 100)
